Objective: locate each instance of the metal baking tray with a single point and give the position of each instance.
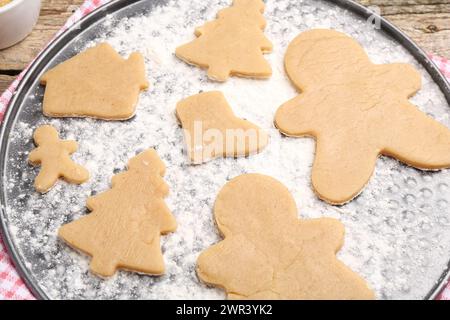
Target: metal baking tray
(67, 45)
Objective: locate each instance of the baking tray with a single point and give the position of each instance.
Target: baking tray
(123, 8)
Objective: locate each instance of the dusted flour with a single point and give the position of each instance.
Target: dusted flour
(397, 230)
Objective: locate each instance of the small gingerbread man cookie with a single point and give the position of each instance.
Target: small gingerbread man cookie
(356, 111)
(268, 253)
(53, 155)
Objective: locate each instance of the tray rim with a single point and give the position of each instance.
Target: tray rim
(59, 42)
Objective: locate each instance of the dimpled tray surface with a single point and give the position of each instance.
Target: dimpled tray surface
(397, 230)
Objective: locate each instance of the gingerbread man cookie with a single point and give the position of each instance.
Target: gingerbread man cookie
(211, 129)
(96, 83)
(356, 111)
(53, 155)
(268, 253)
(233, 44)
(123, 230)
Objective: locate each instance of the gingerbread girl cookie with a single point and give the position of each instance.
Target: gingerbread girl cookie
(356, 111)
(53, 155)
(268, 253)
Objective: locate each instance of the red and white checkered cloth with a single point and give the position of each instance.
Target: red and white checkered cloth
(11, 285)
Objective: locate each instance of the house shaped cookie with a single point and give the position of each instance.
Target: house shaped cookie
(96, 83)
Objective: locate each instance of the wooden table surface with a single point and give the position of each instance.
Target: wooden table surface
(426, 21)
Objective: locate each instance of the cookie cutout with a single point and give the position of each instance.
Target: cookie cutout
(268, 253)
(212, 130)
(124, 227)
(231, 45)
(53, 155)
(96, 83)
(356, 111)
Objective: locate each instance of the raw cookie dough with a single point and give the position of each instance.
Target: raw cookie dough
(231, 45)
(53, 155)
(126, 222)
(96, 83)
(356, 111)
(211, 129)
(268, 253)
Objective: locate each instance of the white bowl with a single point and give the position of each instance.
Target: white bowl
(17, 19)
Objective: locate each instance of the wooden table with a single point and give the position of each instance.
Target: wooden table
(425, 21)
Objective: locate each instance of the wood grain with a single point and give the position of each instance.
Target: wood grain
(427, 22)
(53, 15)
(5, 80)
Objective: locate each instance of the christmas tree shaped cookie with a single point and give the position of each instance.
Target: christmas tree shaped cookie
(96, 83)
(268, 253)
(212, 130)
(53, 155)
(124, 227)
(231, 45)
(357, 111)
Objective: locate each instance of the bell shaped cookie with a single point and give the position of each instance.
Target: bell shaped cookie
(53, 155)
(356, 111)
(233, 44)
(212, 130)
(96, 83)
(268, 253)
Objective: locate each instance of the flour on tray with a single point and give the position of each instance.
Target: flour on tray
(397, 230)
